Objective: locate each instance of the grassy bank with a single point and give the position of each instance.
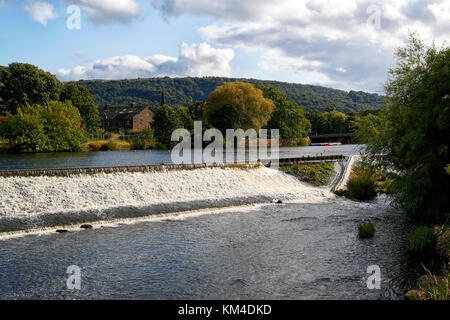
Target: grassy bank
(315, 174)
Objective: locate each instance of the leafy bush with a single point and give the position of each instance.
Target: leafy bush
(432, 287)
(366, 230)
(53, 127)
(315, 174)
(442, 234)
(361, 188)
(422, 240)
(145, 140)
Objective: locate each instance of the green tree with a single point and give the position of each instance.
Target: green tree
(145, 140)
(56, 126)
(254, 108)
(414, 141)
(166, 120)
(185, 118)
(82, 100)
(25, 130)
(63, 126)
(288, 117)
(226, 117)
(26, 84)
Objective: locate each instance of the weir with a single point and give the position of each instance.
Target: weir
(40, 199)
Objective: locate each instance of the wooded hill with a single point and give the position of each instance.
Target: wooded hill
(180, 91)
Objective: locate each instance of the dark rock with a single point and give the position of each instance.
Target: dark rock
(279, 201)
(62, 231)
(86, 226)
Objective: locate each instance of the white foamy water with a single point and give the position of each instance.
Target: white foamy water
(33, 195)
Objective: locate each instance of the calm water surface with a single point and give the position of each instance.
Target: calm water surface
(130, 158)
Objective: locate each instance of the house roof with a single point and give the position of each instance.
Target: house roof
(126, 112)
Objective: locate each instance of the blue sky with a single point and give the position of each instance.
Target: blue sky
(345, 45)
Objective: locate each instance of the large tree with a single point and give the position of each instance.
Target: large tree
(413, 139)
(166, 120)
(52, 127)
(254, 108)
(23, 84)
(82, 100)
(288, 117)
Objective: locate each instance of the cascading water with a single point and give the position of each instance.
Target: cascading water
(36, 202)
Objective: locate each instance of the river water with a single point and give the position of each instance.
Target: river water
(305, 248)
(130, 158)
(273, 251)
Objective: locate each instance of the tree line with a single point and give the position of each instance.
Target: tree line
(181, 91)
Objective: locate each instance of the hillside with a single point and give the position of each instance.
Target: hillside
(179, 91)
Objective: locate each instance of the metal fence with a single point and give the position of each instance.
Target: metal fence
(107, 136)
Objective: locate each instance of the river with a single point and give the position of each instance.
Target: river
(305, 248)
(130, 158)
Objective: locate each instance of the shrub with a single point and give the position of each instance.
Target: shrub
(145, 140)
(442, 234)
(422, 240)
(315, 174)
(366, 230)
(361, 188)
(96, 145)
(53, 127)
(432, 287)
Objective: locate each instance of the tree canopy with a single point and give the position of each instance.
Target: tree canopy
(52, 127)
(412, 139)
(255, 110)
(81, 99)
(181, 91)
(23, 84)
(288, 117)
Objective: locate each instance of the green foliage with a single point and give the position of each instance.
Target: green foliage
(366, 230)
(23, 84)
(315, 174)
(226, 117)
(111, 145)
(181, 91)
(330, 122)
(432, 287)
(414, 140)
(56, 126)
(25, 131)
(166, 120)
(361, 188)
(82, 100)
(422, 240)
(254, 109)
(288, 117)
(369, 128)
(145, 140)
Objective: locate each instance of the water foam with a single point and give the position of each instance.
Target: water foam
(28, 196)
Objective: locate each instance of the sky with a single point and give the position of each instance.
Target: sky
(347, 45)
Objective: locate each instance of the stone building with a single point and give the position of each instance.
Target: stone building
(132, 117)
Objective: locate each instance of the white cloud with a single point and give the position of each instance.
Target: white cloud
(319, 36)
(40, 11)
(106, 11)
(198, 59)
